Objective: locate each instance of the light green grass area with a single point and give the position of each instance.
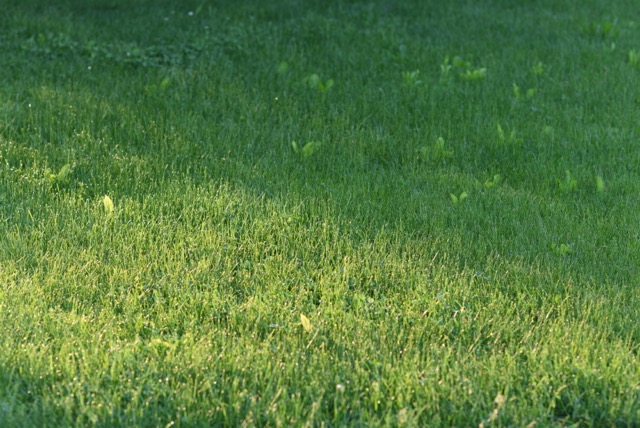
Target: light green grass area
(320, 213)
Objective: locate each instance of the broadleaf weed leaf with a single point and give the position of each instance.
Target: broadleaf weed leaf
(313, 81)
(516, 91)
(493, 182)
(309, 148)
(458, 62)
(538, 69)
(164, 84)
(568, 184)
(634, 58)
(504, 139)
(61, 177)
(474, 74)
(327, 85)
(445, 69)
(412, 78)
(440, 151)
(459, 198)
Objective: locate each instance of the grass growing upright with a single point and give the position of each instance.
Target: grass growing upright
(363, 213)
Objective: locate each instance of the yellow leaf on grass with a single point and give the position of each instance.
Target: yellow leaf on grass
(108, 204)
(306, 324)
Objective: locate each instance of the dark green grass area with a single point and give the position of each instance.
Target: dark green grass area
(336, 213)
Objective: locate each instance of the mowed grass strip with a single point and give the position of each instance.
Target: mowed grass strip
(339, 213)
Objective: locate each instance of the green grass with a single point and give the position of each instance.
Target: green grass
(452, 240)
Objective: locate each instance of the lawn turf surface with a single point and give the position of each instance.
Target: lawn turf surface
(364, 213)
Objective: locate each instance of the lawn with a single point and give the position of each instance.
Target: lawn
(319, 213)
